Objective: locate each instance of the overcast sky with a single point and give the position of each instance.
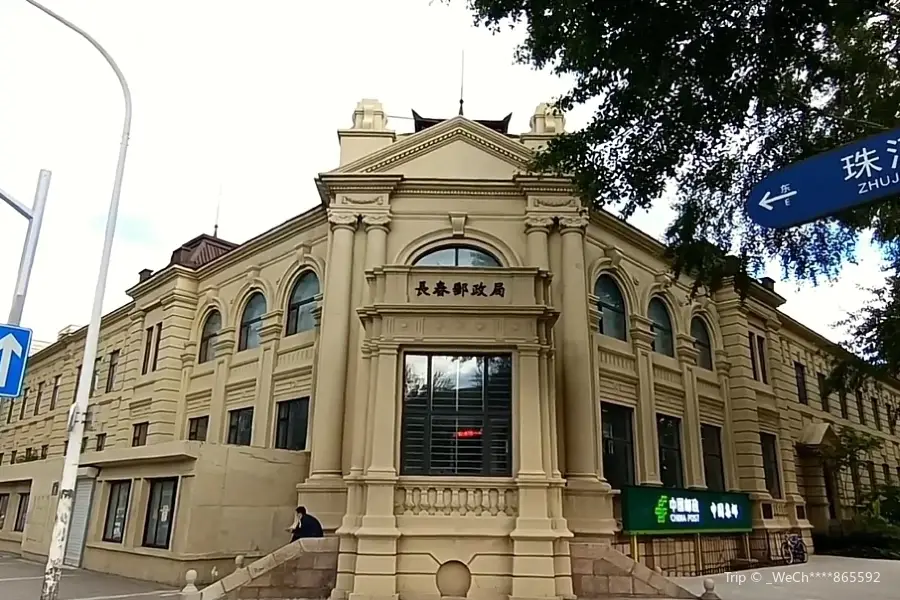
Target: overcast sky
(244, 97)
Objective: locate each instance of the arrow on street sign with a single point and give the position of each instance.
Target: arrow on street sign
(828, 183)
(15, 344)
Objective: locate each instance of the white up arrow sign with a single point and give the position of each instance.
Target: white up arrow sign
(9, 345)
(768, 200)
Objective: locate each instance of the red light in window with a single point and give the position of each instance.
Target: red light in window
(468, 433)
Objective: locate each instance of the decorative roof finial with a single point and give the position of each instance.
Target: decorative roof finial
(462, 78)
(218, 206)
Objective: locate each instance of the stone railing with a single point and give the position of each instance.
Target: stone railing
(460, 499)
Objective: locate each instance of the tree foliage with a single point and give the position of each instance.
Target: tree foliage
(709, 96)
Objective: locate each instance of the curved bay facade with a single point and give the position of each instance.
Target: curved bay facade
(448, 359)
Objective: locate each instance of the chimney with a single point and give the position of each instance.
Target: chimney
(768, 283)
(144, 275)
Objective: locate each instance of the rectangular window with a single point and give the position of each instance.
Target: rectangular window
(457, 415)
(886, 471)
(823, 395)
(12, 457)
(24, 404)
(800, 375)
(95, 375)
(668, 430)
(761, 357)
(845, 410)
(139, 434)
(54, 396)
(873, 480)
(240, 426)
(84, 441)
(156, 345)
(29, 454)
(100, 444)
(876, 414)
(753, 358)
(45, 451)
(148, 350)
(9, 413)
(77, 381)
(291, 424)
(116, 511)
(22, 512)
(4, 508)
(713, 465)
(111, 372)
(37, 401)
(160, 513)
(769, 445)
(892, 418)
(860, 407)
(197, 429)
(618, 444)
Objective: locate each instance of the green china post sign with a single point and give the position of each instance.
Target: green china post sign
(655, 510)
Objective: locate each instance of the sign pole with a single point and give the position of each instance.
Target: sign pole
(35, 218)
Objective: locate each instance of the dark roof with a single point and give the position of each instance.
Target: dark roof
(201, 250)
(501, 126)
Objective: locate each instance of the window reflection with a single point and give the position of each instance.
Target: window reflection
(457, 256)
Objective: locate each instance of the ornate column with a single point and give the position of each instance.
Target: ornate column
(328, 412)
(537, 230)
(695, 476)
(361, 414)
(224, 352)
(582, 447)
(648, 440)
(729, 458)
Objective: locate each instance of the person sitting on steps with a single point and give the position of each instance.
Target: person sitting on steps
(305, 525)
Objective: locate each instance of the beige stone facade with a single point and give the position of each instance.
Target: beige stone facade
(449, 362)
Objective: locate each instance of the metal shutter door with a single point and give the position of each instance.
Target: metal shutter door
(81, 509)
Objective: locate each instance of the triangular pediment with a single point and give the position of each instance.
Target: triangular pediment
(454, 149)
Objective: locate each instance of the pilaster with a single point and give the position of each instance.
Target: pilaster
(695, 477)
(537, 231)
(729, 456)
(179, 308)
(224, 351)
(648, 440)
(744, 416)
(269, 336)
(188, 358)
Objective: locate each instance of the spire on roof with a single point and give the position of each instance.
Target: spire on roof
(462, 79)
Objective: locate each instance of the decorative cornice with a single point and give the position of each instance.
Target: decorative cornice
(545, 185)
(364, 200)
(457, 188)
(441, 134)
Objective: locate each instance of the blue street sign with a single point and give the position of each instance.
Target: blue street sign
(825, 184)
(15, 343)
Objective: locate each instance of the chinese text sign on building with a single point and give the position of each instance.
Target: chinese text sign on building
(654, 510)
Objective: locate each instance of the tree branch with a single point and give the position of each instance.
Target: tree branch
(826, 113)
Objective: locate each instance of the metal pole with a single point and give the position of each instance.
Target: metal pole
(30, 248)
(50, 589)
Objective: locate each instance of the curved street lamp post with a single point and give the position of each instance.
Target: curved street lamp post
(50, 589)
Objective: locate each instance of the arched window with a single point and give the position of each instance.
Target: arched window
(301, 304)
(702, 343)
(457, 256)
(611, 305)
(208, 337)
(661, 327)
(251, 322)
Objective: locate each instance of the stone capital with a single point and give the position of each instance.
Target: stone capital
(271, 326)
(377, 221)
(343, 220)
(224, 343)
(538, 223)
(722, 362)
(686, 349)
(573, 223)
(640, 331)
